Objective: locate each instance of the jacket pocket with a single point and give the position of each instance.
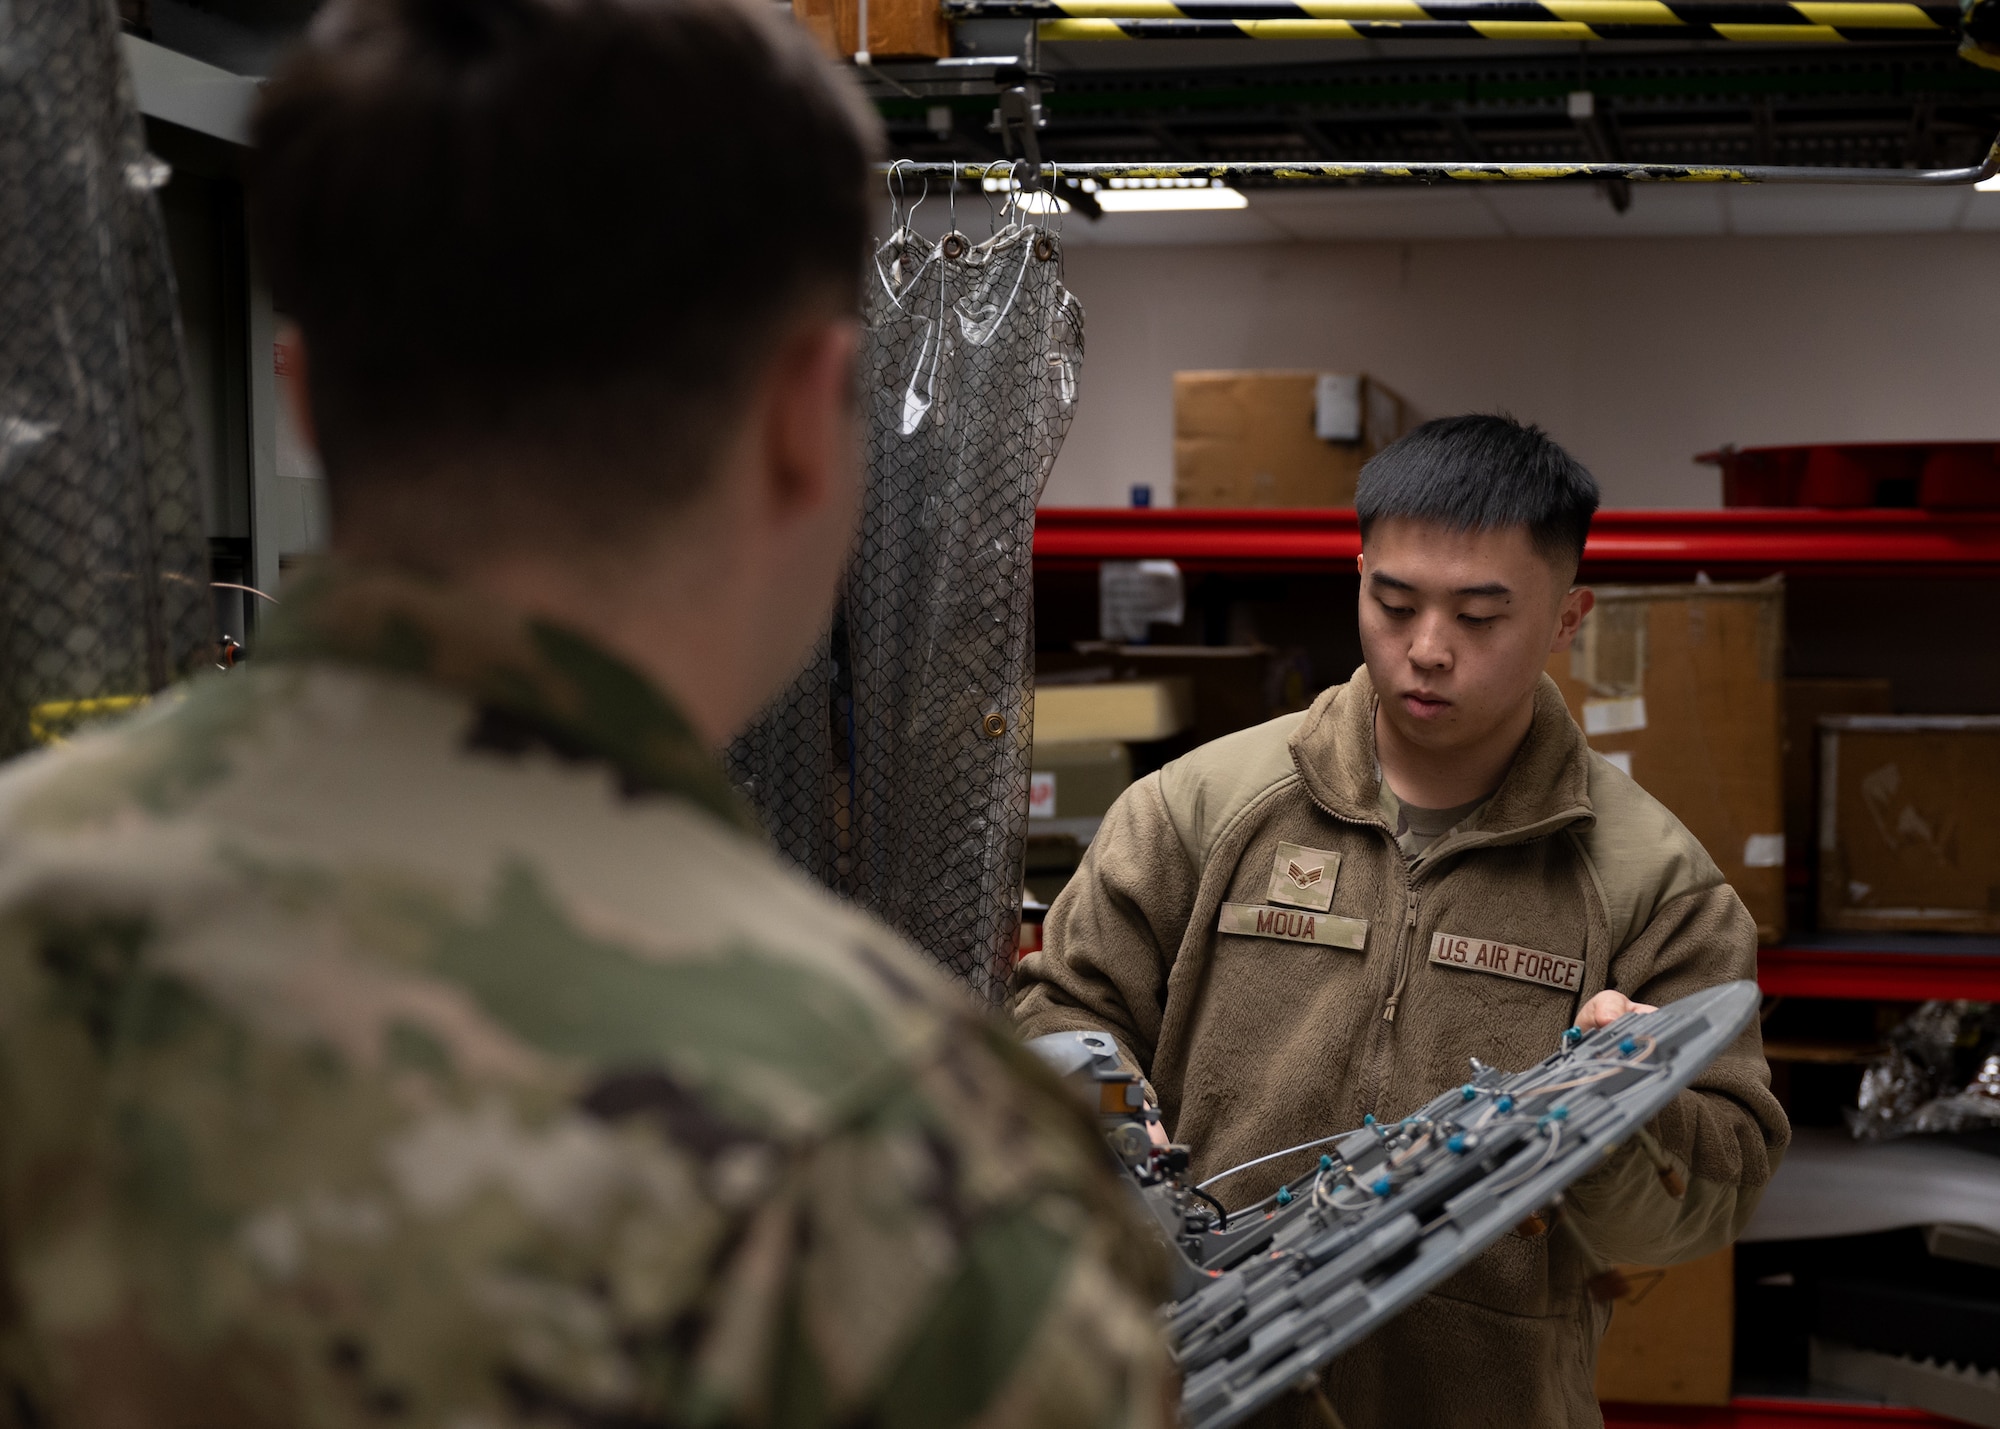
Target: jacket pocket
(1507, 1371)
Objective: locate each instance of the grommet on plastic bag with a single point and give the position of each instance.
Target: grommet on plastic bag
(995, 725)
(1045, 247)
(954, 245)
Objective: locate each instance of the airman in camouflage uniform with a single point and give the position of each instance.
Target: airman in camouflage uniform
(408, 1030)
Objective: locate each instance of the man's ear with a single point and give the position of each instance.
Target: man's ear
(810, 404)
(1569, 619)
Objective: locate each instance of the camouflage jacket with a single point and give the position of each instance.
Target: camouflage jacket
(407, 1028)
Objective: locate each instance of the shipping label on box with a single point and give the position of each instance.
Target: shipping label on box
(1678, 686)
(1908, 837)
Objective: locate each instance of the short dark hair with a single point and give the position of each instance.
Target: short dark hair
(519, 227)
(1482, 472)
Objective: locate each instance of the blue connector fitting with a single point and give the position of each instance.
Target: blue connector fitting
(1325, 1162)
(1628, 1046)
(1572, 1036)
(1469, 1092)
(1381, 1187)
(1368, 1119)
(1284, 1195)
(1506, 1103)
(1457, 1144)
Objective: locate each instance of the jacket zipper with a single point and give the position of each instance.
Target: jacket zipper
(1383, 1052)
(1399, 965)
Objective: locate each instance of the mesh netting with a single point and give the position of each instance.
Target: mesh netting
(896, 769)
(103, 572)
(784, 764)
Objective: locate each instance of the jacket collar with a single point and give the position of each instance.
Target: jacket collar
(536, 675)
(1546, 787)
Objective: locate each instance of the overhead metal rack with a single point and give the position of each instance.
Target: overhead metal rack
(1694, 85)
(1804, 22)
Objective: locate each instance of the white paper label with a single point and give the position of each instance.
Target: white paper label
(1041, 796)
(1134, 595)
(1614, 716)
(1621, 760)
(1337, 407)
(1764, 851)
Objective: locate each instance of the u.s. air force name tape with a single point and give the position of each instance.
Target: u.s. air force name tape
(1252, 920)
(1505, 960)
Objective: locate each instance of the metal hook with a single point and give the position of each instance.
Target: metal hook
(909, 221)
(896, 184)
(1023, 184)
(1046, 244)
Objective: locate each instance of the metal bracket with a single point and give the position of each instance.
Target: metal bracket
(1017, 120)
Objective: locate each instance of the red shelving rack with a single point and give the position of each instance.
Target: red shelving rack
(1661, 543)
(1658, 545)
(1765, 1414)
(1892, 976)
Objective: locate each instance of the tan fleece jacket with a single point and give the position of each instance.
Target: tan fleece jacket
(1267, 1005)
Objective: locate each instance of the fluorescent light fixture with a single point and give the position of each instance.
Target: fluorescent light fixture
(1033, 201)
(1989, 186)
(1174, 194)
(1168, 199)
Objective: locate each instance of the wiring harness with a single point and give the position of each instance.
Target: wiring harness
(1267, 1294)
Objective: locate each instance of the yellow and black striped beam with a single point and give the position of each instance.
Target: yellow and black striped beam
(1800, 22)
(1297, 174)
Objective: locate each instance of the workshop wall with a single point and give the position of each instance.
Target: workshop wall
(1635, 353)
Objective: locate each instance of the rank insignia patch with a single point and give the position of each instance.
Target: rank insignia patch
(1303, 877)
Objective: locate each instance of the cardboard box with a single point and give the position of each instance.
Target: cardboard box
(1679, 685)
(1907, 834)
(1131, 711)
(1805, 702)
(1234, 686)
(1672, 1340)
(897, 29)
(1278, 438)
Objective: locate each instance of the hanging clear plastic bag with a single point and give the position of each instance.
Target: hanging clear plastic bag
(1940, 1074)
(919, 714)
